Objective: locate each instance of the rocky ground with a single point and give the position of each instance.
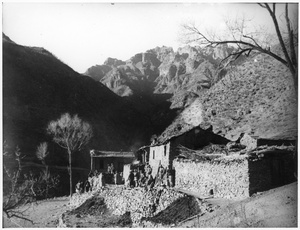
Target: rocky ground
(273, 208)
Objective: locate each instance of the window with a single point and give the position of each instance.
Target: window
(165, 150)
(153, 154)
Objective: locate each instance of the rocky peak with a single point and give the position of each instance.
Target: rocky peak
(162, 52)
(113, 62)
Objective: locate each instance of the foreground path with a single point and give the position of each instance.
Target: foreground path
(44, 213)
(274, 208)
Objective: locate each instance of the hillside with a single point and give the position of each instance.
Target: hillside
(38, 88)
(256, 97)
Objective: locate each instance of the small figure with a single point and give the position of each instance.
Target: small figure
(149, 182)
(130, 179)
(108, 168)
(116, 178)
(101, 181)
(142, 179)
(136, 178)
(79, 187)
(112, 168)
(87, 186)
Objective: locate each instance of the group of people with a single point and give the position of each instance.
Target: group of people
(95, 180)
(140, 178)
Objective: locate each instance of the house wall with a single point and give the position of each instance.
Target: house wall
(271, 172)
(227, 179)
(159, 155)
(193, 139)
(234, 177)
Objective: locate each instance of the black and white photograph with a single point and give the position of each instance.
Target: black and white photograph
(149, 114)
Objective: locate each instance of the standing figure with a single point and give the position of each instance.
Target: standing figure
(112, 168)
(81, 187)
(130, 180)
(142, 179)
(149, 182)
(77, 188)
(87, 186)
(116, 178)
(108, 168)
(136, 178)
(101, 182)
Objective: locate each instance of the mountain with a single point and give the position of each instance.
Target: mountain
(163, 71)
(255, 95)
(39, 88)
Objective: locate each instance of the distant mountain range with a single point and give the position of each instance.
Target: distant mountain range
(162, 71)
(254, 95)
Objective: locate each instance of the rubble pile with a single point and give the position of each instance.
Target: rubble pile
(121, 200)
(179, 210)
(92, 206)
(137, 201)
(79, 199)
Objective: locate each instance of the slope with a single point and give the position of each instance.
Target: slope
(38, 88)
(256, 97)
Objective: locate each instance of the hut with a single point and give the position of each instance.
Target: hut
(102, 160)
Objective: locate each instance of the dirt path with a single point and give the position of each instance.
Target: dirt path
(44, 214)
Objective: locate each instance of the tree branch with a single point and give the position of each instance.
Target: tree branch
(286, 55)
(291, 36)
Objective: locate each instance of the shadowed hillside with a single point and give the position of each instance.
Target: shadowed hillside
(38, 88)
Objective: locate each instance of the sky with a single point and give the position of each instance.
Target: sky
(85, 34)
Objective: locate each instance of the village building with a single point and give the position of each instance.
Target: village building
(165, 150)
(214, 165)
(102, 160)
(236, 175)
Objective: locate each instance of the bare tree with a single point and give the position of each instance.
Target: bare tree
(248, 42)
(19, 191)
(42, 153)
(71, 133)
(21, 188)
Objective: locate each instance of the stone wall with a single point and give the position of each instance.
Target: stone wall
(227, 178)
(237, 176)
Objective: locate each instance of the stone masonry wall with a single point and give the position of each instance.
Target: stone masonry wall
(228, 178)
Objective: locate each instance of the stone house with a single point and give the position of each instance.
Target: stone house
(101, 159)
(236, 176)
(165, 150)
